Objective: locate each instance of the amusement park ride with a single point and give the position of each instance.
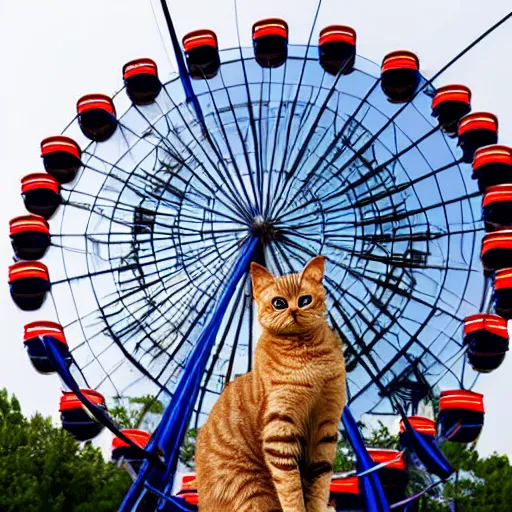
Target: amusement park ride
(274, 153)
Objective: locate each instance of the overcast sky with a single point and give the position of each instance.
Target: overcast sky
(57, 50)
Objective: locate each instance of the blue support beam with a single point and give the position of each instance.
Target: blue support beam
(372, 488)
(172, 428)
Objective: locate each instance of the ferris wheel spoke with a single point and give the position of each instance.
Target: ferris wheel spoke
(244, 208)
(222, 338)
(221, 126)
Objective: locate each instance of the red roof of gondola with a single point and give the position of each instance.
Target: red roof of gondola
(494, 324)
(28, 269)
(497, 240)
(337, 34)
(380, 456)
(497, 194)
(454, 92)
(421, 425)
(60, 143)
(494, 154)
(139, 437)
(143, 66)
(270, 27)
(39, 180)
(28, 223)
(203, 37)
(348, 485)
(400, 59)
(69, 400)
(503, 279)
(461, 399)
(95, 102)
(478, 121)
(44, 328)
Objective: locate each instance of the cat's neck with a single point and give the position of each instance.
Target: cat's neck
(310, 337)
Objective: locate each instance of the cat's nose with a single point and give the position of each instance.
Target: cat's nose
(293, 311)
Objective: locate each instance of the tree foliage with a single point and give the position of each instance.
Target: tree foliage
(43, 469)
(132, 412)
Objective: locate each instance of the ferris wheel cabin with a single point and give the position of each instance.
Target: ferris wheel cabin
(449, 105)
(29, 282)
(400, 76)
(76, 419)
(97, 116)
(486, 337)
(497, 207)
(461, 415)
(41, 194)
(30, 236)
(424, 426)
(141, 81)
(61, 158)
(492, 165)
(337, 49)
(125, 451)
(497, 250)
(270, 42)
(393, 476)
(345, 495)
(188, 489)
(52, 332)
(202, 53)
(502, 295)
(475, 131)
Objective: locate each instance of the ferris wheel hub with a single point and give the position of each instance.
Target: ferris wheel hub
(264, 229)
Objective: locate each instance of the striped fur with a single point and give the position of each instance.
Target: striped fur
(270, 440)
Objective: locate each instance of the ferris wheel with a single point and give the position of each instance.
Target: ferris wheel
(153, 203)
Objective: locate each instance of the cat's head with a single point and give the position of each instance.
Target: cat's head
(291, 304)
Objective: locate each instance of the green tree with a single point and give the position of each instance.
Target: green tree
(43, 469)
(131, 412)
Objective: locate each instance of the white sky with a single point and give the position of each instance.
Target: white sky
(57, 50)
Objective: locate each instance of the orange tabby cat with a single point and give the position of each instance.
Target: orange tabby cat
(270, 440)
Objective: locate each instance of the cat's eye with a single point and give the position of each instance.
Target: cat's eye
(305, 300)
(279, 303)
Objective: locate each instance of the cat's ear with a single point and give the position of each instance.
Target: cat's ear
(314, 270)
(261, 278)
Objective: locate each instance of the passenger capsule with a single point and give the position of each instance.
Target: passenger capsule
(497, 207)
(40, 357)
(97, 116)
(188, 488)
(141, 80)
(502, 296)
(202, 53)
(400, 76)
(30, 236)
(486, 337)
(337, 49)
(393, 476)
(492, 165)
(270, 42)
(41, 194)
(449, 105)
(121, 449)
(497, 250)
(461, 415)
(61, 158)
(424, 426)
(76, 419)
(475, 131)
(345, 495)
(29, 282)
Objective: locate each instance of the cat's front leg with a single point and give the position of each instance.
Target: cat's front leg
(282, 448)
(319, 470)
